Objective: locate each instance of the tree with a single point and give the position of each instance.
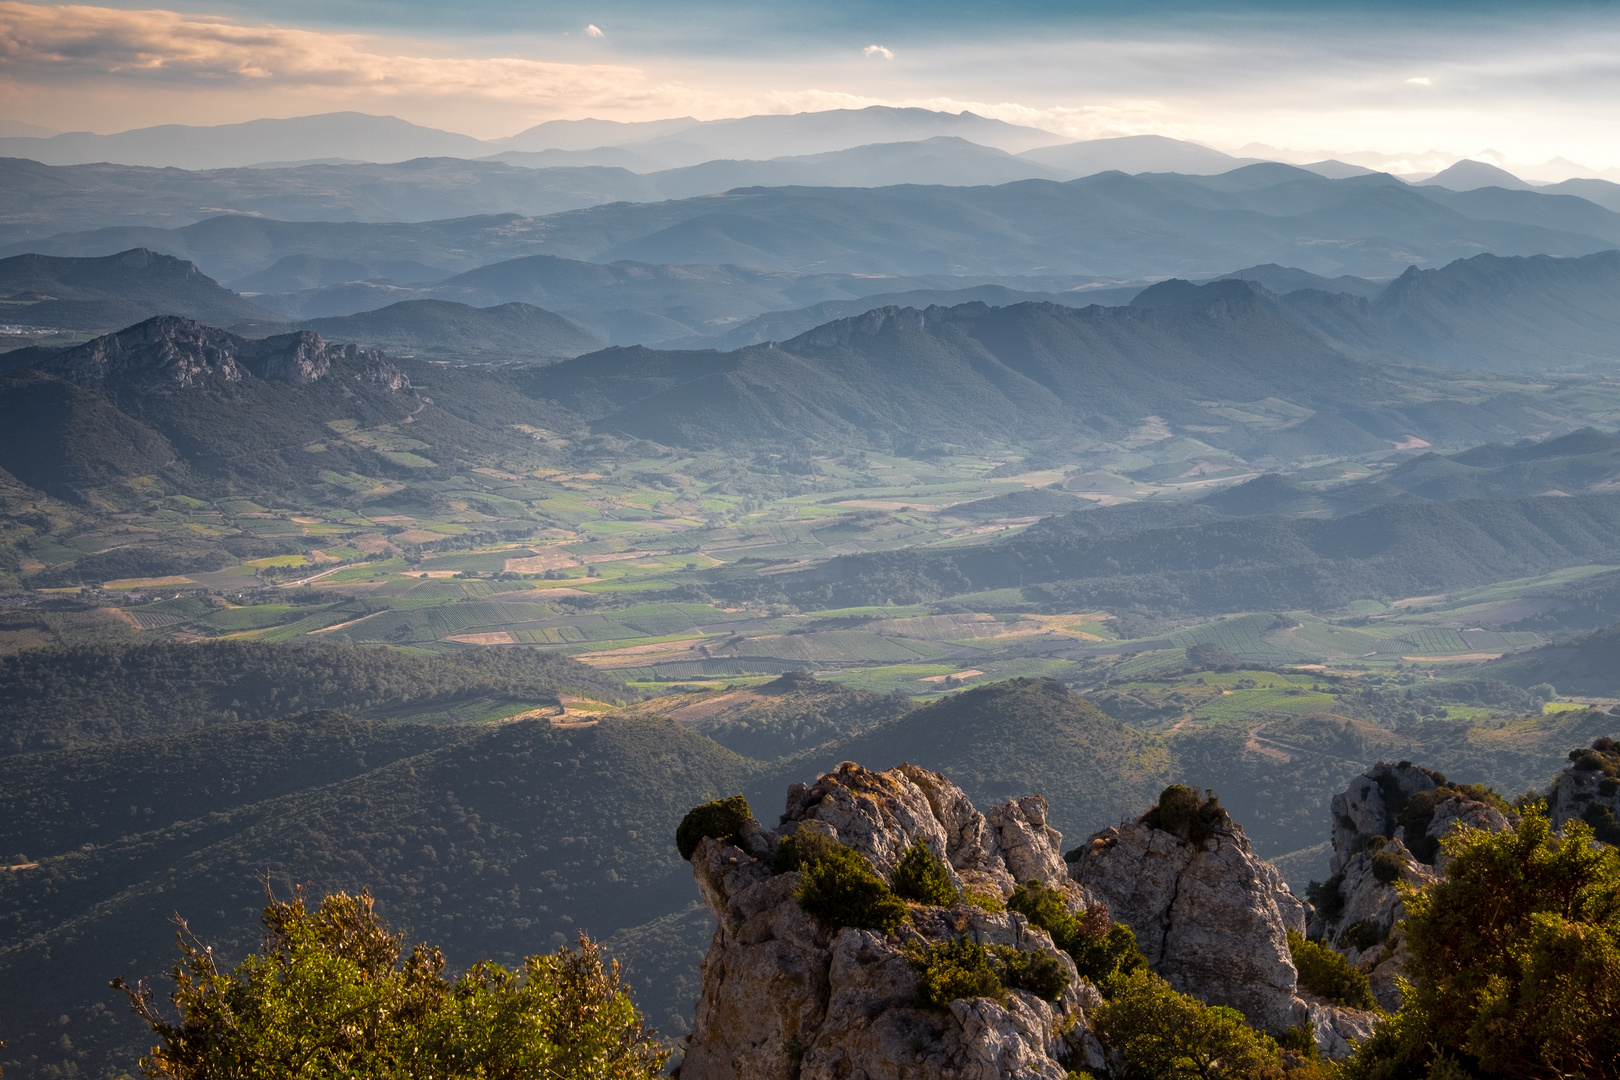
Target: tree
(1163, 1035)
(1515, 961)
(330, 998)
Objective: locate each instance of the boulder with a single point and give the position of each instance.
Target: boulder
(1589, 790)
(1210, 916)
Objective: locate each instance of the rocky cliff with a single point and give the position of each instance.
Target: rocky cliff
(1209, 915)
(176, 353)
(786, 995)
(1589, 790)
(1387, 827)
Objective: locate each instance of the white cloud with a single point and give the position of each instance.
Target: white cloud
(878, 50)
(1420, 80)
(594, 31)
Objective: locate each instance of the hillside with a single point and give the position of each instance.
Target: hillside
(438, 328)
(113, 291)
(898, 374)
(66, 698)
(1393, 550)
(1509, 314)
(1584, 664)
(496, 842)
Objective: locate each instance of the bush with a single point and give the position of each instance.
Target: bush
(802, 847)
(839, 888)
(954, 970)
(1514, 961)
(1103, 951)
(921, 876)
(1163, 1035)
(1605, 826)
(330, 997)
(1387, 866)
(1328, 975)
(1180, 811)
(1036, 972)
(721, 819)
(1545, 691)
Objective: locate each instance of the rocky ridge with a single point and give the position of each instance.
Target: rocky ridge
(1589, 790)
(1386, 830)
(170, 352)
(784, 996)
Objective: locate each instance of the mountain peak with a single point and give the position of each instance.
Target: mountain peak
(1468, 175)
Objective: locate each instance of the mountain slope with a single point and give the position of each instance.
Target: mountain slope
(1394, 550)
(1509, 313)
(442, 328)
(899, 373)
(114, 291)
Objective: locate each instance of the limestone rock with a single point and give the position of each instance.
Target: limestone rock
(1371, 804)
(1211, 917)
(1337, 1027)
(1465, 812)
(1589, 788)
(784, 998)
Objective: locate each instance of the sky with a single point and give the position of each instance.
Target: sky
(1419, 82)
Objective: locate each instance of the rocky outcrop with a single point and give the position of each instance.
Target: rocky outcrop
(786, 997)
(1387, 827)
(1210, 916)
(1589, 790)
(169, 352)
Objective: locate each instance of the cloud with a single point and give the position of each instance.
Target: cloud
(878, 50)
(1420, 80)
(75, 43)
(594, 31)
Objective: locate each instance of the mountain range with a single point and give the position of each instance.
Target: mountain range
(1108, 225)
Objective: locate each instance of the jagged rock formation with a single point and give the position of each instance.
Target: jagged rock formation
(1387, 827)
(1209, 915)
(1589, 790)
(176, 353)
(784, 997)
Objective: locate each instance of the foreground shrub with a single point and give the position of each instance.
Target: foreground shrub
(330, 997)
(921, 876)
(721, 819)
(1180, 811)
(1163, 1035)
(839, 888)
(1514, 962)
(954, 970)
(1036, 972)
(1328, 975)
(1103, 951)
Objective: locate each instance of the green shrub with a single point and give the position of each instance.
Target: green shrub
(1514, 962)
(839, 888)
(721, 819)
(954, 970)
(333, 994)
(1418, 814)
(1180, 811)
(921, 876)
(1036, 972)
(1328, 975)
(1103, 951)
(1362, 935)
(987, 899)
(802, 847)
(1163, 1035)
(1387, 866)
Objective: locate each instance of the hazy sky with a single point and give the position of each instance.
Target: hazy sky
(1530, 81)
